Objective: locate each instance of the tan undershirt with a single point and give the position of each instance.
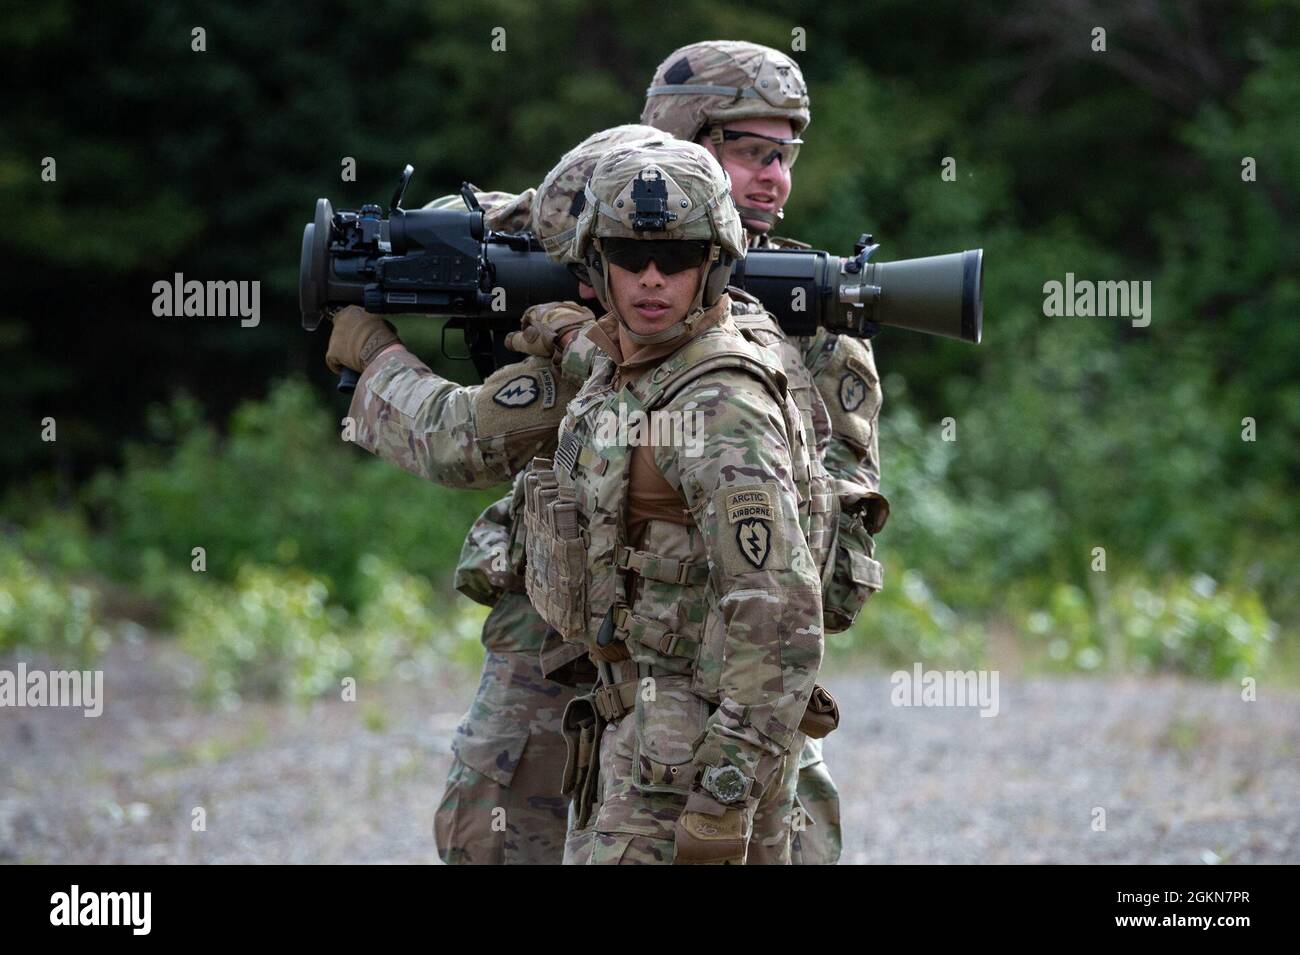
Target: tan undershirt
(649, 495)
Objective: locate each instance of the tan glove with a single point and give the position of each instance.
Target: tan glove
(357, 338)
(709, 833)
(544, 327)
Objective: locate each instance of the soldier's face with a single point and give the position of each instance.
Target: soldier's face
(650, 301)
(767, 187)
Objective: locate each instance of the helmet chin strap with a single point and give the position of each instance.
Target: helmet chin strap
(759, 215)
(675, 330)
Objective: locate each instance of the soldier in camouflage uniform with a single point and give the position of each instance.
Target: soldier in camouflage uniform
(693, 579)
(749, 105)
(509, 753)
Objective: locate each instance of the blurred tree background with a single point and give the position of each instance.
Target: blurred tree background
(1072, 433)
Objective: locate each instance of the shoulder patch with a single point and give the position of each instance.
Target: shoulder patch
(754, 538)
(853, 391)
(521, 391)
(844, 371)
(751, 529)
(748, 504)
(527, 396)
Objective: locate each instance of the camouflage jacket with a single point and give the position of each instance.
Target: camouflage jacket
(465, 436)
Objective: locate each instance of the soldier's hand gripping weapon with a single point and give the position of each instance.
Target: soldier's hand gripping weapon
(446, 262)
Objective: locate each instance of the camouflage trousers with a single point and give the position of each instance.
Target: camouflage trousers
(635, 821)
(502, 804)
(816, 837)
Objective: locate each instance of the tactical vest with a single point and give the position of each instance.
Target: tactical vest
(582, 574)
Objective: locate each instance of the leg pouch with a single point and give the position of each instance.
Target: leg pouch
(582, 728)
(670, 720)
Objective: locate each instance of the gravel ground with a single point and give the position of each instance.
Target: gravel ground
(1185, 772)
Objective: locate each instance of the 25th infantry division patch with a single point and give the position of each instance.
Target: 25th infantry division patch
(751, 512)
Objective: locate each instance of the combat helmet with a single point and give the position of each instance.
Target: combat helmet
(660, 190)
(561, 197)
(706, 85)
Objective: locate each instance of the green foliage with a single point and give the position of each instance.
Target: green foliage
(1191, 626)
(972, 549)
(48, 616)
(905, 622)
(279, 489)
(275, 633)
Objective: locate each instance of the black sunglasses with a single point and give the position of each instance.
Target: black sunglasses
(671, 255)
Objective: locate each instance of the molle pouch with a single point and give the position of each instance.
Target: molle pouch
(855, 575)
(556, 564)
(670, 720)
(568, 577)
(582, 728)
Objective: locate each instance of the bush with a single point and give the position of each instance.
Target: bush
(54, 617)
(1189, 626)
(275, 633)
(281, 489)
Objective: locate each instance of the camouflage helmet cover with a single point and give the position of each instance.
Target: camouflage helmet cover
(561, 197)
(698, 194)
(691, 198)
(720, 81)
(502, 211)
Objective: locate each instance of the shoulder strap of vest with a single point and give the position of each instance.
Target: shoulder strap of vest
(717, 349)
(722, 349)
(742, 303)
